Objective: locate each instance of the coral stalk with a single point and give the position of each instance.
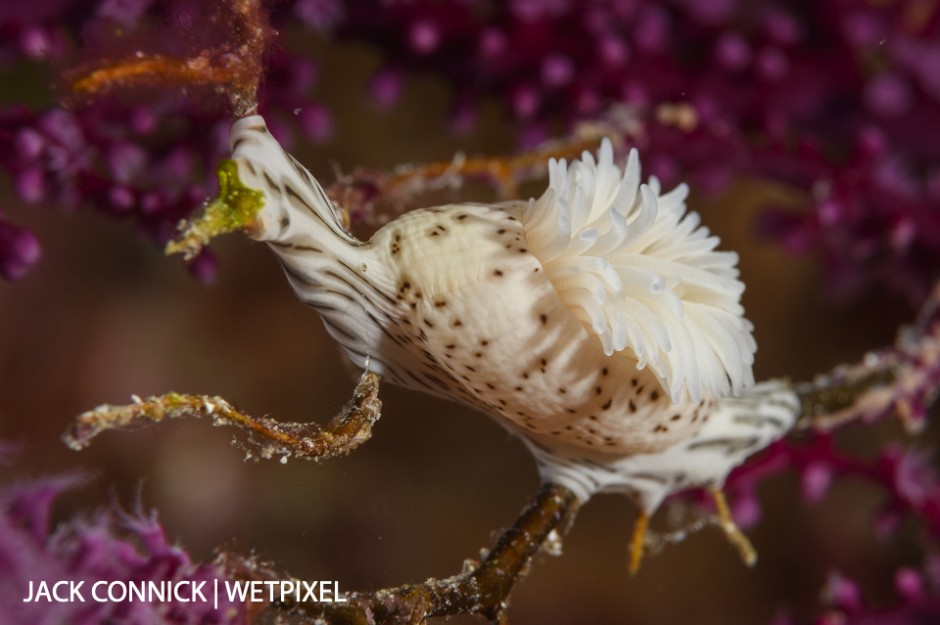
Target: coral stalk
(482, 589)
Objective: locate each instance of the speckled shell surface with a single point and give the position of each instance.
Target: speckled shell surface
(479, 322)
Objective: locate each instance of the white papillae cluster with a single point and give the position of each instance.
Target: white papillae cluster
(639, 271)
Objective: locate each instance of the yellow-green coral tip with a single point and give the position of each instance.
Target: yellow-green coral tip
(235, 208)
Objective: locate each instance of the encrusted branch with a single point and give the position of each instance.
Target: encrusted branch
(903, 379)
(264, 437)
(503, 173)
(233, 67)
(482, 588)
(373, 196)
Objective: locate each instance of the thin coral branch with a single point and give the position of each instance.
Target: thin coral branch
(903, 379)
(503, 173)
(234, 67)
(373, 196)
(735, 536)
(481, 588)
(265, 437)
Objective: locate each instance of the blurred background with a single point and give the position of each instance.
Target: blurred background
(105, 315)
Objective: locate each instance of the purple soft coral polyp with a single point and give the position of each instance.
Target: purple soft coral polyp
(19, 250)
